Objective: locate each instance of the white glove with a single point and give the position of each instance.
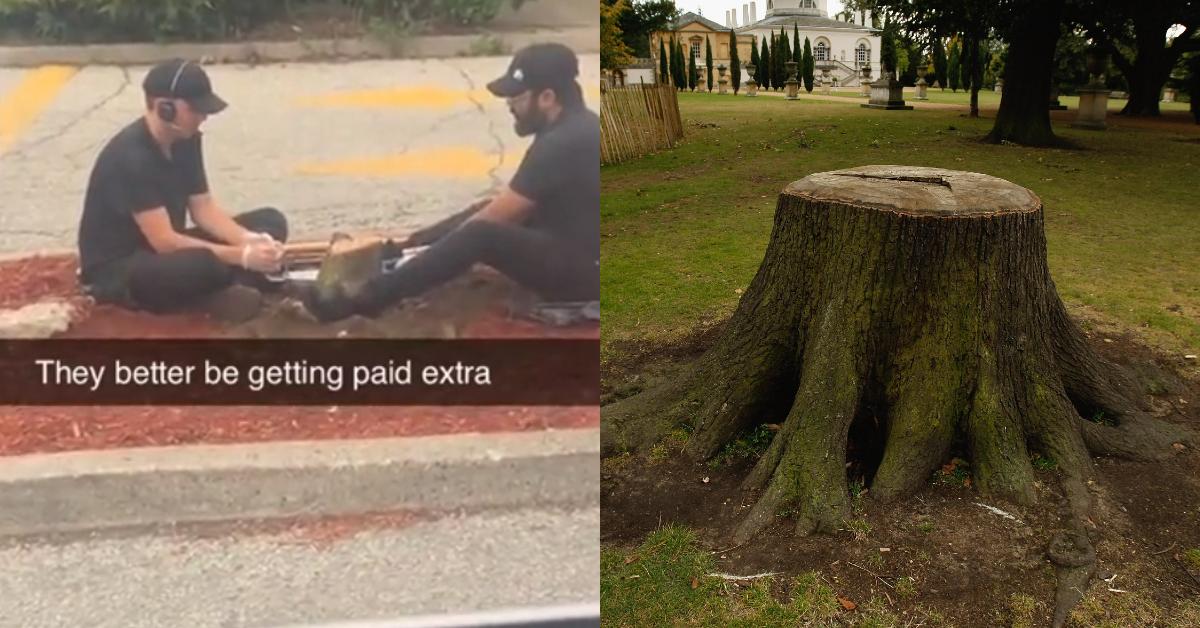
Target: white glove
(262, 256)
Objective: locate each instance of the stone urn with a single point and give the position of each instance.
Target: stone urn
(922, 70)
(751, 84)
(722, 81)
(1097, 64)
(793, 85)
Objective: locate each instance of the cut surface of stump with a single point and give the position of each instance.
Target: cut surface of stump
(908, 309)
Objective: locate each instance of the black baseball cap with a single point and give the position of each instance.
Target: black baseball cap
(539, 66)
(186, 80)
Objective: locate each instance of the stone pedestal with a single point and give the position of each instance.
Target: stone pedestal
(751, 88)
(865, 82)
(887, 93)
(1169, 95)
(721, 80)
(922, 88)
(825, 80)
(793, 85)
(999, 89)
(1093, 108)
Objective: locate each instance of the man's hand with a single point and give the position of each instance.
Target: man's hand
(262, 255)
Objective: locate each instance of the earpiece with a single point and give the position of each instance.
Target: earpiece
(166, 109)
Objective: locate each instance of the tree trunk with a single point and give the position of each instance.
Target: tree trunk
(1149, 73)
(895, 308)
(1023, 117)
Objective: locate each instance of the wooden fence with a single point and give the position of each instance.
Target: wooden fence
(636, 120)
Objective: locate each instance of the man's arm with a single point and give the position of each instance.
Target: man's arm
(214, 220)
(155, 225)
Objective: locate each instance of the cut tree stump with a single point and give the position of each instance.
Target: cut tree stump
(903, 308)
(349, 265)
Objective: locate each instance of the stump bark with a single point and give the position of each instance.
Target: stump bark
(907, 309)
(349, 265)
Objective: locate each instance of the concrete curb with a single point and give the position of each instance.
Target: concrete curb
(582, 39)
(91, 490)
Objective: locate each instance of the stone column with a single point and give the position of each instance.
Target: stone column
(721, 80)
(1093, 108)
(793, 85)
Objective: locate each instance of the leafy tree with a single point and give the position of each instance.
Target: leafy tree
(954, 68)
(614, 53)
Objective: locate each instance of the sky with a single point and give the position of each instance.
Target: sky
(715, 9)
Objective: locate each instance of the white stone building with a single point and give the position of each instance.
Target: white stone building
(840, 46)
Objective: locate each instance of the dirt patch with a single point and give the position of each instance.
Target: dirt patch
(477, 306)
(966, 562)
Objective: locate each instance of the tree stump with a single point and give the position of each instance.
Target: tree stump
(349, 265)
(895, 310)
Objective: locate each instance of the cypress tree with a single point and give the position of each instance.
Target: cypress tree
(809, 66)
(708, 60)
(754, 59)
(797, 54)
(953, 69)
(939, 62)
(735, 69)
(764, 68)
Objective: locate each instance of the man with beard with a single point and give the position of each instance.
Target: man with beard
(543, 229)
(134, 247)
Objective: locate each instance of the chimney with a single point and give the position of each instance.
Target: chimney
(746, 14)
(726, 18)
(753, 13)
(733, 14)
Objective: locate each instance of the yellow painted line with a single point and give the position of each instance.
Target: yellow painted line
(454, 162)
(21, 106)
(427, 96)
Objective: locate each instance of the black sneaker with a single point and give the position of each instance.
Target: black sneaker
(235, 304)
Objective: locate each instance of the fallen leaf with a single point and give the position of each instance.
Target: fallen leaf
(846, 603)
(695, 582)
(948, 468)
(774, 427)
(885, 549)
(967, 482)
(630, 558)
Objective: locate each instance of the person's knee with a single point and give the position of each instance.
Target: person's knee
(267, 220)
(167, 282)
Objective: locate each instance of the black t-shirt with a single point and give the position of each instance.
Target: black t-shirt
(132, 175)
(561, 175)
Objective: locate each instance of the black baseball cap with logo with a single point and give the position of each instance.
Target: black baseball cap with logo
(185, 80)
(540, 66)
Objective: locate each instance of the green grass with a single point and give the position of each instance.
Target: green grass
(1192, 557)
(991, 100)
(685, 229)
(665, 582)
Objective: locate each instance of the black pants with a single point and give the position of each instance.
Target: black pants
(165, 282)
(554, 269)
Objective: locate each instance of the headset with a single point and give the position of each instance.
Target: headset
(166, 109)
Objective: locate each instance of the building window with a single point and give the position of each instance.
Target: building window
(862, 55)
(808, 4)
(822, 52)
(696, 49)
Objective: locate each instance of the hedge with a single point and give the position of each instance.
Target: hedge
(164, 20)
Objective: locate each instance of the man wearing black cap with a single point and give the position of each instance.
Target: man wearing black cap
(134, 248)
(543, 229)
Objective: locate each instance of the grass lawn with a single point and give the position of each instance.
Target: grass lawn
(685, 229)
(991, 100)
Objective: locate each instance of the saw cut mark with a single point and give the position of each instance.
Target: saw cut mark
(942, 181)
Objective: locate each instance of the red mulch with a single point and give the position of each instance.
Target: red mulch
(52, 429)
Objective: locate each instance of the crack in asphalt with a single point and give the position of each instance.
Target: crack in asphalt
(83, 115)
(496, 183)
